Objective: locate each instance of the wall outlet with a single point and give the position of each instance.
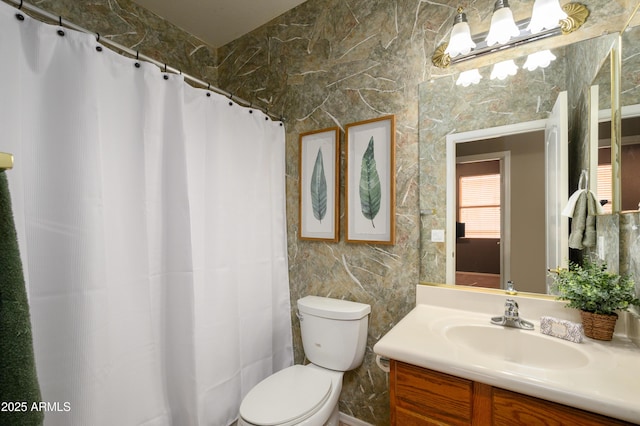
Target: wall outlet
(437, 235)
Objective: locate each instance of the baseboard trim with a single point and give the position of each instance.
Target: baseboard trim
(352, 421)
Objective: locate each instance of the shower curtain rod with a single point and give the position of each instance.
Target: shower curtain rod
(20, 4)
(6, 161)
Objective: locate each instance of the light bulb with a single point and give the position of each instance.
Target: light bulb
(540, 59)
(467, 78)
(503, 27)
(546, 15)
(503, 69)
(460, 42)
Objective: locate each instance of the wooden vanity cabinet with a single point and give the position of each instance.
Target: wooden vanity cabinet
(425, 397)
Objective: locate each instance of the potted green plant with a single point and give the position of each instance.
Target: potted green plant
(597, 293)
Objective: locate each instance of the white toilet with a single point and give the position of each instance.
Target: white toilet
(334, 338)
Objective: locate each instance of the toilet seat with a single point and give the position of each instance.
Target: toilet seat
(287, 397)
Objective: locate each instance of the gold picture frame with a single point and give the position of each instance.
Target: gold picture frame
(318, 184)
(370, 191)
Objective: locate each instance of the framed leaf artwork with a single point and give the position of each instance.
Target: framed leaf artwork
(319, 179)
(370, 181)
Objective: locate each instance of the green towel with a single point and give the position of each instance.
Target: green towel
(19, 388)
(583, 226)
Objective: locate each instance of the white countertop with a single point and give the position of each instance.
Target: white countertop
(609, 384)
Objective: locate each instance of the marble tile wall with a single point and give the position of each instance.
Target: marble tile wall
(609, 240)
(630, 247)
(322, 64)
(630, 79)
(620, 235)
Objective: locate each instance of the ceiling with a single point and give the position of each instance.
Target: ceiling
(218, 22)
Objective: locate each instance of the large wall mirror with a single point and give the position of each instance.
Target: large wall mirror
(520, 105)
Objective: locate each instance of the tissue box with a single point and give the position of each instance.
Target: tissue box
(563, 329)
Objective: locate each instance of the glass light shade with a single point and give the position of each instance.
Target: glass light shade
(460, 42)
(540, 59)
(503, 69)
(503, 27)
(546, 15)
(467, 78)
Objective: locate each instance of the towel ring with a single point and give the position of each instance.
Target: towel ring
(584, 180)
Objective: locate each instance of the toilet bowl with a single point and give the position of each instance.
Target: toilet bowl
(304, 395)
(334, 336)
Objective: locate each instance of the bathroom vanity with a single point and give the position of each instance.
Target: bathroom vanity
(420, 396)
(450, 365)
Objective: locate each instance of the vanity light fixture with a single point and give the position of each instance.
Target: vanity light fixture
(467, 78)
(504, 69)
(529, 30)
(503, 26)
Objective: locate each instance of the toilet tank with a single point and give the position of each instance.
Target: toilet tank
(334, 331)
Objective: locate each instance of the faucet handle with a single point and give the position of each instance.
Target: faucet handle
(511, 309)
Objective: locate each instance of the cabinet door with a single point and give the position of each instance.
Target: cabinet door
(511, 408)
(424, 397)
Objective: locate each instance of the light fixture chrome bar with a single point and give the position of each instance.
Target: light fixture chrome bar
(525, 37)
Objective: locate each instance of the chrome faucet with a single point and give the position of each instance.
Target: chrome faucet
(511, 317)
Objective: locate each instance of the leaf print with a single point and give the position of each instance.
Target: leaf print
(370, 192)
(319, 189)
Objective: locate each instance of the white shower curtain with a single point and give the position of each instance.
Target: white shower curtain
(151, 223)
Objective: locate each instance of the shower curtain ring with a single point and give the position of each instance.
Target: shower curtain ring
(60, 31)
(98, 48)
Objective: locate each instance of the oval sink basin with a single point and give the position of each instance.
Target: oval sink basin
(518, 346)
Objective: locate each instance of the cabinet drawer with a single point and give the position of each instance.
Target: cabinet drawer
(432, 395)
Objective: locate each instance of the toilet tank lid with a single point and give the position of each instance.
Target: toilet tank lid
(326, 307)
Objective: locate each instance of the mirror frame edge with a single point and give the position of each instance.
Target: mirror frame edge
(616, 124)
(489, 290)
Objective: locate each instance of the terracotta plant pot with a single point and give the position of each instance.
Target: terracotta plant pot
(598, 326)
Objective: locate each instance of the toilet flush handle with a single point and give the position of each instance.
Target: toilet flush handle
(383, 363)
(299, 315)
